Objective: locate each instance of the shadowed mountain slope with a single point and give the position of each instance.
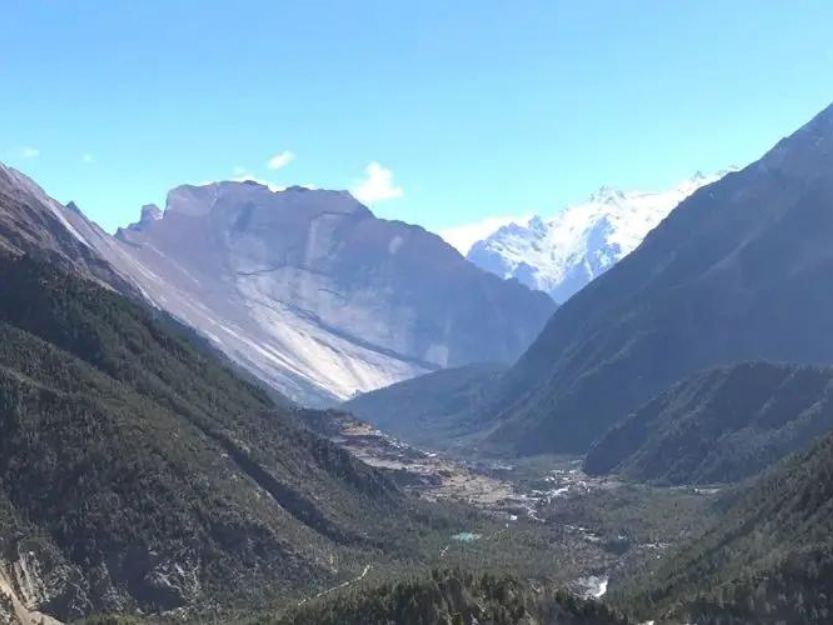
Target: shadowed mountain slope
(720, 425)
(732, 274)
(433, 409)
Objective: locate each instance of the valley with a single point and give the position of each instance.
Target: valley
(543, 514)
(274, 400)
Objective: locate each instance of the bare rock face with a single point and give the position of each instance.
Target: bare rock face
(148, 214)
(31, 222)
(37, 581)
(312, 293)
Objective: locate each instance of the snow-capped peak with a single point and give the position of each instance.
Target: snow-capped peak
(607, 195)
(562, 253)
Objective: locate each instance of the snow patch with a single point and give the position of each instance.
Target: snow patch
(395, 244)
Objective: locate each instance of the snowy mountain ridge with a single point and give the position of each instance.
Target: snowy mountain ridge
(561, 254)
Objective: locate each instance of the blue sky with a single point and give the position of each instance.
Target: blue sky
(468, 109)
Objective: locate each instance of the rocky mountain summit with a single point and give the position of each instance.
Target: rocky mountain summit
(313, 294)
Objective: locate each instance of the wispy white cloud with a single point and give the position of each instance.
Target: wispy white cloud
(377, 185)
(464, 236)
(29, 152)
(280, 160)
(87, 158)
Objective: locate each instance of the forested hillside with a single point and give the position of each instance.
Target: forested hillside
(768, 560)
(720, 425)
(137, 473)
(451, 598)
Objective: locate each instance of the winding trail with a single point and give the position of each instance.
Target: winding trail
(349, 582)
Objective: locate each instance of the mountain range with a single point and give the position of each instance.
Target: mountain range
(561, 254)
(305, 289)
(141, 475)
(672, 364)
(731, 274)
(141, 472)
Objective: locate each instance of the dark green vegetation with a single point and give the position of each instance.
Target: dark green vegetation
(721, 425)
(137, 473)
(433, 409)
(450, 598)
(637, 517)
(635, 524)
(437, 597)
(768, 560)
(731, 275)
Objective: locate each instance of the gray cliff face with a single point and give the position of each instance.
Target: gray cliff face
(312, 293)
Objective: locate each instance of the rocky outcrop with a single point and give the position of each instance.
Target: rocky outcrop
(34, 582)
